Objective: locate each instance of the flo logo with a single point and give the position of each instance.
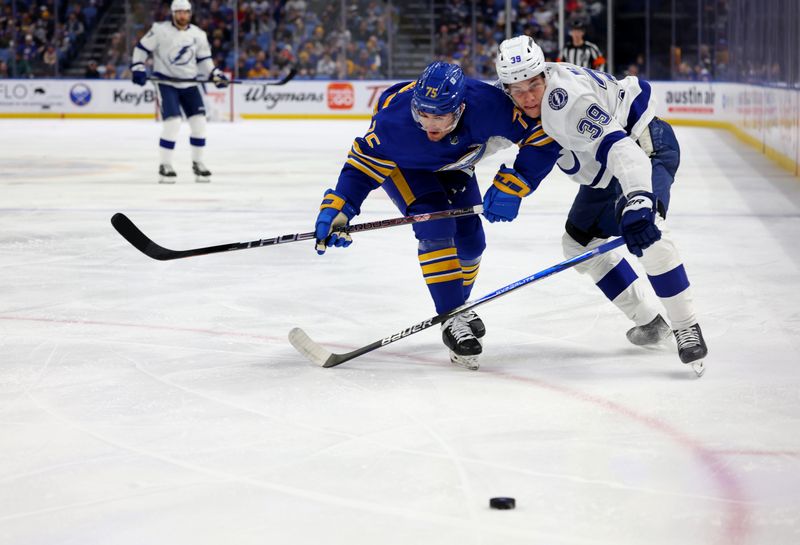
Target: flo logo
(341, 96)
(80, 94)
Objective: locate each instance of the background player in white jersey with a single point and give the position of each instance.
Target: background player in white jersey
(607, 138)
(180, 51)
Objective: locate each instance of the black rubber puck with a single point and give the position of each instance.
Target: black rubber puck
(502, 503)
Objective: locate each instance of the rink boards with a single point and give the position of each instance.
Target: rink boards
(764, 117)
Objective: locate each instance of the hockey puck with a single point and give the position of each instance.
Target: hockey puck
(502, 503)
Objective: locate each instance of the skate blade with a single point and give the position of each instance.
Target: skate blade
(166, 180)
(699, 368)
(467, 362)
(202, 179)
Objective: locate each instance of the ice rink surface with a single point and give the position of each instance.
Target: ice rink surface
(161, 403)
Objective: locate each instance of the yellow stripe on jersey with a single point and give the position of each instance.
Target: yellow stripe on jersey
(537, 138)
(377, 169)
(366, 170)
(402, 186)
(382, 162)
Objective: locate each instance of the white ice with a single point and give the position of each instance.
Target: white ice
(146, 402)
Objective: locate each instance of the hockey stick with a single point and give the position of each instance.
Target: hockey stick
(141, 242)
(324, 358)
(282, 81)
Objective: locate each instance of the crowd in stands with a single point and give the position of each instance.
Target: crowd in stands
(536, 18)
(41, 36)
(38, 37)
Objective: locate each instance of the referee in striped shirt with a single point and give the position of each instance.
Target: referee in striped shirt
(579, 51)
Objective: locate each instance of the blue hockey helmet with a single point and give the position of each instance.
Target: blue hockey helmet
(440, 90)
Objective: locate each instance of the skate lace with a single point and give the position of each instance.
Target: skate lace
(687, 337)
(460, 329)
(469, 315)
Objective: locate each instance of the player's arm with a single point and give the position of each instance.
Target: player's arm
(537, 155)
(364, 170)
(598, 61)
(143, 49)
(205, 63)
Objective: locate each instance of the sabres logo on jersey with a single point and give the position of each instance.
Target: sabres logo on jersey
(469, 159)
(183, 56)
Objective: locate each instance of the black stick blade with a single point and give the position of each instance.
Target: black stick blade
(139, 240)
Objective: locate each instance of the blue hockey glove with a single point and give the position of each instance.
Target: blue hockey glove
(638, 222)
(219, 79)
(139, 77)
(501, 201)
(335, 214)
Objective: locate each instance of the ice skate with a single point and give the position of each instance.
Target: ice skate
(201, 173)
(463, 344)
(166, 174)
(475, 323)
(651, 333)
(692, 347)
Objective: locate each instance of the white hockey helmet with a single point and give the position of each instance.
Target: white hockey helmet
(518, 59)
(180, 5)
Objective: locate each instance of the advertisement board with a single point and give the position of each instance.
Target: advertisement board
(308, 99)
(765, 117)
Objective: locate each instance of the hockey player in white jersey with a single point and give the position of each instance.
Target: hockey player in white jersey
(180, 51)
(603, 133)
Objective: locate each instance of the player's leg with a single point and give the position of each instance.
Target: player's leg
(463, 191)
(417, 192)
(194, 107)
(171, 125)
(591, 220)
(663, 264)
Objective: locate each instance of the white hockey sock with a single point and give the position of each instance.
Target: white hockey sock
(610, 272)
(197, 123)
(169, 133)
(665, 271)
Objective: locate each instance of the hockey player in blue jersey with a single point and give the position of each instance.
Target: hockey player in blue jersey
(178, 49)
(606, 138)
(421, 146)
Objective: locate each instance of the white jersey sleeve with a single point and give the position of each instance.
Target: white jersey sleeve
(596, 120)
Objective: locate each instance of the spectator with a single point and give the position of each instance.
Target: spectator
(91, 71)
(109, 71)
(258, 71)
(326, 66)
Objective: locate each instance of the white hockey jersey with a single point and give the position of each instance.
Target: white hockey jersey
(597, 119)
(176, 53)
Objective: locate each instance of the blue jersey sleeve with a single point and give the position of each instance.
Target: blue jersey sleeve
(368, 163)
(538, 154)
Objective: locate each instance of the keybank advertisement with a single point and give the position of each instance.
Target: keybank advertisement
(111, 97)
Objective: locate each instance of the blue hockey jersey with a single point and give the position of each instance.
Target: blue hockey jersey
(395, 141)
